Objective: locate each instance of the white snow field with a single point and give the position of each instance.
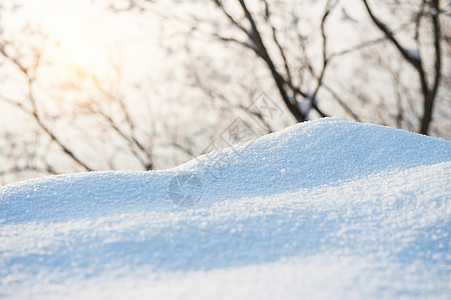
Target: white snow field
(326, 209)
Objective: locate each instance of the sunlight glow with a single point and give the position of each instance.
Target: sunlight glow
(81, 55)
(77, 42)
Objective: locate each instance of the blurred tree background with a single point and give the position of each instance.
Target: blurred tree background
(142, 85)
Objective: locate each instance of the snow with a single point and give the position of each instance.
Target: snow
(324, 209)
(414, 53)
(346, 16)
(306, 103)
(250, 43)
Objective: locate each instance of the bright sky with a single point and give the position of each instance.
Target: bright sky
(71, 25)
(83, 43)
(83, 40)
(83, 37)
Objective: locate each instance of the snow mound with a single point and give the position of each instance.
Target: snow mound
(323, 209)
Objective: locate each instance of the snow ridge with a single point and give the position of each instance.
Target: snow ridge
(323, 209)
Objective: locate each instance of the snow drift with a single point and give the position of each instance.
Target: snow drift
(322, 209)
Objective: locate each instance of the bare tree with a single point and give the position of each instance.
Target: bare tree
(289, 91)
(428, 11)
(80, 123)
(273, 31)
(253, 23)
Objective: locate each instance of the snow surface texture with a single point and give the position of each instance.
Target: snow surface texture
(322, 210)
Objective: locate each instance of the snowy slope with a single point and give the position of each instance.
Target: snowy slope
(322, 209)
